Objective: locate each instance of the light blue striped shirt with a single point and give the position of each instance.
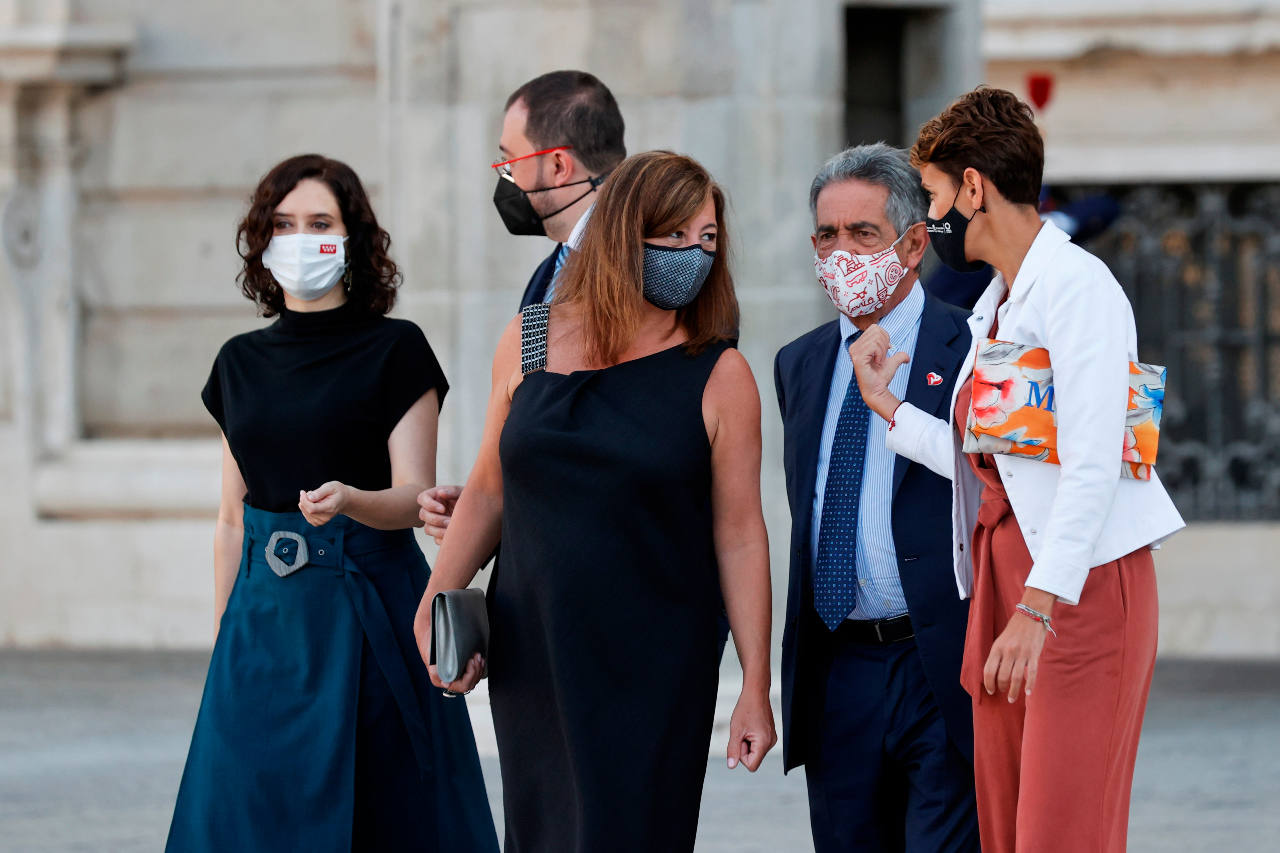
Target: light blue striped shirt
(570, 245)
(879, 587)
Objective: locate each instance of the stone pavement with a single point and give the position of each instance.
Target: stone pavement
(92, 743)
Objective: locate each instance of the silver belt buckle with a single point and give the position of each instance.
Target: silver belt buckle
(879, 635)
(280, 567)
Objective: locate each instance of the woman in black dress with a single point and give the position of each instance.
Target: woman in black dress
(318, 730)
(620, 466)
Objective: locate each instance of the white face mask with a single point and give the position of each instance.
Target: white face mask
(860, 284)
(307, 266)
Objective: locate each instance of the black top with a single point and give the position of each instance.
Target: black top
(314, 397)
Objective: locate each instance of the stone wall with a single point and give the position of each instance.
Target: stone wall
(111, 461)
(133, 132)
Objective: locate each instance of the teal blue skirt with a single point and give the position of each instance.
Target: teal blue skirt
(319, 729)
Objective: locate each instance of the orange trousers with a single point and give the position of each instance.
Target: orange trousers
(1054, 771)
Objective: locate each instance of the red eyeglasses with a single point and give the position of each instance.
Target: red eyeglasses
(504, 166)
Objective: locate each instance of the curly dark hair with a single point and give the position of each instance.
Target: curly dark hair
(992, 131)
(374, 277)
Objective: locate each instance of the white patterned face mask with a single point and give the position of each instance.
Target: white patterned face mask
(860, 284)
(307, 266)
(674, 277)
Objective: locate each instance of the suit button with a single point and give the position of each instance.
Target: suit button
(961, 546)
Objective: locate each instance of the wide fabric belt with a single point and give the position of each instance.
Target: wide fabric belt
(289, 551)
(876, 632)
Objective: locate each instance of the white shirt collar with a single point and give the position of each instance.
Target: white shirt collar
(575, 236)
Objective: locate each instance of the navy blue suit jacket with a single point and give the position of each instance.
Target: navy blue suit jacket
(536, 290)
(921, 528)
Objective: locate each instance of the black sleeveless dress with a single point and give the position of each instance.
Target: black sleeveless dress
(604, 656)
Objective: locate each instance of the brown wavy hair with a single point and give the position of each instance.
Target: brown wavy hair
(992, 131)
(647, 195)
(374, 277)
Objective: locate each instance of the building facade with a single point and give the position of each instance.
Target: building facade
(134, 132)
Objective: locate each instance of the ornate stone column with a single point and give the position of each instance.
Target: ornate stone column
(44, 70)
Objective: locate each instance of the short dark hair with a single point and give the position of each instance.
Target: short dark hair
(992, 131)
(374, 276)
(574, 108)
(883, 166)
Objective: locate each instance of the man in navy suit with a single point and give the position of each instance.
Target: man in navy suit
(562, 134)
(871, 698)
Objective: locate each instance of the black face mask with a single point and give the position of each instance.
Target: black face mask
(517, 211)
(946, 235)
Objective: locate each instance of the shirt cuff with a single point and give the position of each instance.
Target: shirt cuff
(906, 429)
(1065, 583)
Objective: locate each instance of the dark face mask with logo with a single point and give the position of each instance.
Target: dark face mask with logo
(517, 211)
(674, 277)
(946, 235)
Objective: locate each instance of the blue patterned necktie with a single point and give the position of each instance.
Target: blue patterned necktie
(835, 577)
(561, 257)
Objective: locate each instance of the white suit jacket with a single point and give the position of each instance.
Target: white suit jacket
(1079, 514)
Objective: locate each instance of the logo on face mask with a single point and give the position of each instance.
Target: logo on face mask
(946, 235)
(306, 266)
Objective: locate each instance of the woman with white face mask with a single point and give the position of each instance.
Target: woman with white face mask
(318, 729)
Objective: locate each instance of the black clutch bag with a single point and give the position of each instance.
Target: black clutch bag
(459, 629)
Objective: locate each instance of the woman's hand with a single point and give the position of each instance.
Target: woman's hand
(319, 506)
(422, 633)
(751, 732)
(436, 506)
(875, 369)
(1015, 655)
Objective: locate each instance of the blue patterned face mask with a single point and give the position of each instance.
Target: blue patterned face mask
(674, 277)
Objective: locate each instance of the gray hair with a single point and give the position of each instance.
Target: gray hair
(884, 166)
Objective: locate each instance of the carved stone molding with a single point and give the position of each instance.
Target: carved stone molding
(20, 227)
(79, 54)
(1018, 30)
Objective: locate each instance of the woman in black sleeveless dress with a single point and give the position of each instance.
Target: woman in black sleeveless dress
(319, 729)
(620, 466)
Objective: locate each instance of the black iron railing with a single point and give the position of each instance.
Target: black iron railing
(1201, 264)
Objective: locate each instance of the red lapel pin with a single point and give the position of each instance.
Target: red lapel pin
(933, 379)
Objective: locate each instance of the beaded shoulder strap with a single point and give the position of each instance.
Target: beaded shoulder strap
(533, 338)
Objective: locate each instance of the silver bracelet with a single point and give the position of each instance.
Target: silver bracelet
(1037, 616)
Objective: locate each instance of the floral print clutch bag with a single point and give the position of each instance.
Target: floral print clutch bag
(1013, 410)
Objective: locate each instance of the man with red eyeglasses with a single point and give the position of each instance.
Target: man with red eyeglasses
(561, 136)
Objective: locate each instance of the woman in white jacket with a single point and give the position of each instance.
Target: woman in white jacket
(1061, 552)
